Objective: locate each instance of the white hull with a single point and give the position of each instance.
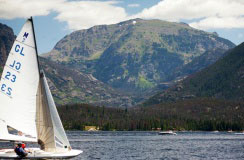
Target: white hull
(39, 154)
(167, 133)
(241, 133)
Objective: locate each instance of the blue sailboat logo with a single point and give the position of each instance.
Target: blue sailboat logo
(25, 36)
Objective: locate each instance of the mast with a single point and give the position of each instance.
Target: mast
(40, 76)
(31, 20)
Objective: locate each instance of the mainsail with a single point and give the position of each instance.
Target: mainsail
(18, 88)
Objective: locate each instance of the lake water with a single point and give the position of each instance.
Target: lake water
(150, 145)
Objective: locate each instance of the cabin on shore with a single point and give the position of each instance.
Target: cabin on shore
(91, 128)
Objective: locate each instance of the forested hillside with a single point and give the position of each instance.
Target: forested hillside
(198, 114)
(222, 80)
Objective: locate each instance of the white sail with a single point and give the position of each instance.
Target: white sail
(51, 134)
(27, 108)
(18, 88)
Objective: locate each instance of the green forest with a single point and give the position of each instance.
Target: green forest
(203, 114)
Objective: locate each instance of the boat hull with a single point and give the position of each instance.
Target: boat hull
(39, 154)
(167, 133)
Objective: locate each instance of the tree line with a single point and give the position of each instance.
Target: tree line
(199, 114)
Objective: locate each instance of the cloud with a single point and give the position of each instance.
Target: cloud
(133, 5)
(84, 14)
(77, 14)
(11, 9)
(219, 22)
(212, 13)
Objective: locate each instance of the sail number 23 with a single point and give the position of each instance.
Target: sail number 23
(12, 78)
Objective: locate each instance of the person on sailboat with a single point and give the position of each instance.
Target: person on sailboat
(23, 146)
(20, 151)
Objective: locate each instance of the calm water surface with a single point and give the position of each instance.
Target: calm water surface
(150, 145)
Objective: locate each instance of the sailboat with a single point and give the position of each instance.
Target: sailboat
(27, 109)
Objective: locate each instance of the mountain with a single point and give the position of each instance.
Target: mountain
(207, 58)
(223, 80)
(69, 85)
(7, 38)
(197, 64)
(136, 55)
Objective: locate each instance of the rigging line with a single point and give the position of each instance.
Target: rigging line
(25, 44)
(59, 143)
(12, 68)
(6, 94)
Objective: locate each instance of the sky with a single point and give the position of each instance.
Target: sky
(53, 19)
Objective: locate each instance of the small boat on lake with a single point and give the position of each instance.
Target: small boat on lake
(240, 133)
(167, 133)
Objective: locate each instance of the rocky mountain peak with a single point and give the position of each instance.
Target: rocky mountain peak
(136, 54)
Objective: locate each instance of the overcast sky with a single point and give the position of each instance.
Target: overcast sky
(53, 19)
